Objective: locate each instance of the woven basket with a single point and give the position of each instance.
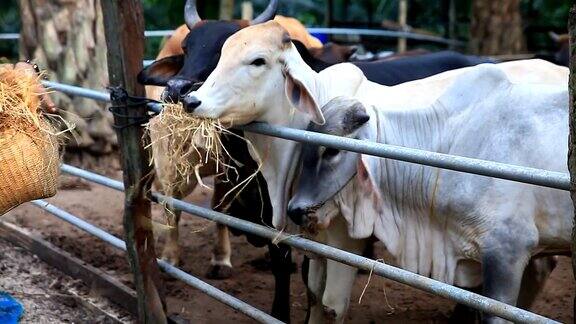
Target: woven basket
(29, 168)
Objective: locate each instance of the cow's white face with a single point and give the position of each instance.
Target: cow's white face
(259, 72)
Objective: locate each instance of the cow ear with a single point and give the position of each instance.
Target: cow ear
(355, 116)
(298, 94)
(159, 72)
(366, 178)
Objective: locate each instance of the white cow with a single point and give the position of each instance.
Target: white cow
(455, 227)
(263, 78)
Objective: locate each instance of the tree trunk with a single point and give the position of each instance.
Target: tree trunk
(226, 9)
(496, 27)
(572, 135)
(66, 38)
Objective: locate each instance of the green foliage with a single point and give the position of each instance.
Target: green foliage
(540, 16)
(9, 23)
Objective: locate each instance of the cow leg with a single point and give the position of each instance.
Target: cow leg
(466, 314)
(535, 275)
(502, 270)
(281, 264)
(171, 251)
(220, 264)
(316, 283)
(339, 277)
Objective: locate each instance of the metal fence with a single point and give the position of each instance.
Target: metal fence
(330, 31)
(486, 168)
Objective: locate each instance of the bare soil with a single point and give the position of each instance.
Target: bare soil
(384, 300)
(49, 296)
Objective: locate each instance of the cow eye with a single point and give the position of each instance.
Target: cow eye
(258, 62)
(330, 153)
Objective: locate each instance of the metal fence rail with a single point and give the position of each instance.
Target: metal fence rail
(330, 31)
(522, 174)
(9, 36)
(350, 31)
(459, 295)
(544, 178)
(171, 270)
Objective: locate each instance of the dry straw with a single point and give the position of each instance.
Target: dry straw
(29, 159)
(190, 144)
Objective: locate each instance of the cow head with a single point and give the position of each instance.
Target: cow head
(201, 50)
(327, 171)
(332, 53)
(562, 56)
(259, 71)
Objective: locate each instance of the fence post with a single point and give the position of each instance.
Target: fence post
(124, 26)
(247, 10)
(402, 20)
(572, 135)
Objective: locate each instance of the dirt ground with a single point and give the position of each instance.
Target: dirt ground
(384, 300)
(48, 296)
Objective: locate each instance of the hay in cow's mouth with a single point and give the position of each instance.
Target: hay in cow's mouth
(190, 144)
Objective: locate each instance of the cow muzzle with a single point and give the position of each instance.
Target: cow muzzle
(191, 103)
(297, 214)
(305, 217)
(177, 89)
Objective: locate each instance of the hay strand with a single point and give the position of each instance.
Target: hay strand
(189, 145)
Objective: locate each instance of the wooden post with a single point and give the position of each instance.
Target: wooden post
(124, 27)
(452, 22)
(572, 137)
(329, 13)
(226, 9)
(402, 20)
(247, 10)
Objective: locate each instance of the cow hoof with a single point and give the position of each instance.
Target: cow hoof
(219, 272)
(330, 315)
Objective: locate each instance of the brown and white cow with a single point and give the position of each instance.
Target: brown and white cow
(186, 59)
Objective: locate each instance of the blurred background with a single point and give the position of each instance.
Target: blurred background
(447, 18)
(66, 38)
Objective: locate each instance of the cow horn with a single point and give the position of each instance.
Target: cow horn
(555, 37)
(191, 15)
(268, 14)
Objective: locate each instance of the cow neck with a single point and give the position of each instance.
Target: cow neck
(422, 129)
(280, 157)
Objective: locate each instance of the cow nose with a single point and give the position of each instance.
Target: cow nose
(296, 213)
(190, 103)
(176, 89)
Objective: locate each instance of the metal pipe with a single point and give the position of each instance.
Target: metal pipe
(81, 224)
(411, 279)
(551, 179)
(556, 180)
(92, 177)
(349, 31)
(90, 93)
(78, 91)
(331, 31)
(9, 36)
(385, 33)
(171, 270)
